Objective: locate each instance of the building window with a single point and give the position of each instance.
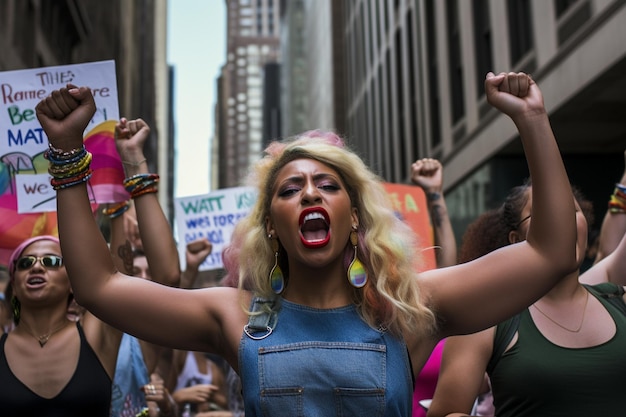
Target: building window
(412, 75)
(455, 60)
(482, 43)
(371, 17)
(58, 24)
(433, 76)
(562, 6)
(520, 32)
(379, 33)
(401, 111)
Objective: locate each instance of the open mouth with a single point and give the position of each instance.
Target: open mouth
(314, 227)
(35, 281)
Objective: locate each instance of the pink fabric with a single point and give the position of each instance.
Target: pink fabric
(18, 251)
(426, 381)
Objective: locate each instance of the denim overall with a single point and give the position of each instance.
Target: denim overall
(304, 361)
(131, 374)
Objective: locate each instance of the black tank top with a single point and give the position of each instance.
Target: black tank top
(88, 392)
(539, 378)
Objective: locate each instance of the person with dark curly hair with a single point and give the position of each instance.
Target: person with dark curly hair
(563, 355)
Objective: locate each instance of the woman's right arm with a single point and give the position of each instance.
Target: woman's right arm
(462, 373)
(205, 320)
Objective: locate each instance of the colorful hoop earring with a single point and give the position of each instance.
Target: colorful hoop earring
(357, 277)
(277, 279)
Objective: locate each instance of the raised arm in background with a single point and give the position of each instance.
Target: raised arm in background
(614, 222)
(427, 173)
(156, 236)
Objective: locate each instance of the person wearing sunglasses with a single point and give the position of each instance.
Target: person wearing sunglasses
(50, 365)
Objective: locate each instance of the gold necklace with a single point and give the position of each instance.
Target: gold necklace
(582, 320)
(43, 339)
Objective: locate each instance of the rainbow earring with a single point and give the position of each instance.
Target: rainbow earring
(277, 279)
(356, 271)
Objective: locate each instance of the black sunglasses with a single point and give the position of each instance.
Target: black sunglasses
(48, 261)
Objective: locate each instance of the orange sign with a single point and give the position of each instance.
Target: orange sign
(409, 203)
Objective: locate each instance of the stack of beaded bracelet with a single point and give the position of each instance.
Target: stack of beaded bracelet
(141, 184)
(116, 210)
(68, 168)
(617, 203)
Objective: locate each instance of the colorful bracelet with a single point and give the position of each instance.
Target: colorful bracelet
(59, 158)
(58, 184)
(617, 202)
(68, 168)
(71, 168)
(116, 210)
(141, 184)
(60, 153)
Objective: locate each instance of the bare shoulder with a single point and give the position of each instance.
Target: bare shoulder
(224, 299)
(227, 307)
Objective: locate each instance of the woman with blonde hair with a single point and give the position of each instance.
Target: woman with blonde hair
(335, 318)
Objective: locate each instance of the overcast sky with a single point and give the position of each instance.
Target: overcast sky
(196, 49)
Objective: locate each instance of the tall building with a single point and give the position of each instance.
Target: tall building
(312, 60)
(415, 88)
(252, 42)
(40, 33)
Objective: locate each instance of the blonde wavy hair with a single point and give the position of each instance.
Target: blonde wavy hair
(386, 245)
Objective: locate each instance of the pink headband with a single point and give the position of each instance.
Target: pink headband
(20, 249)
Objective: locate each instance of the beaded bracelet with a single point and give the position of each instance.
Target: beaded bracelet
(617, 202)
(68, 168)
(59, 157)
(116, 210)
(73, 180)
(71, 169)
(141, 184)
(61, 154)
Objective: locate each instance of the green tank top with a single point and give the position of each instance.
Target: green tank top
(538, 378)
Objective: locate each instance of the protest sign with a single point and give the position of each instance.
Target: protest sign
(409, 203)
(23, 141)
(212, 216)
(27, 201)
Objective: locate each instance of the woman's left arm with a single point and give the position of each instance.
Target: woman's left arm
(473, 296)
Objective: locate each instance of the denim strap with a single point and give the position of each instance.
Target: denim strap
(262, 319)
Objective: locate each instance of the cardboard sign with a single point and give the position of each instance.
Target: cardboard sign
(23, 141)
(212, 216)
(409, 203)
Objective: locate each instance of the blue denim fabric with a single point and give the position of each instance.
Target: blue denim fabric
(325, 363)
(127, 398)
